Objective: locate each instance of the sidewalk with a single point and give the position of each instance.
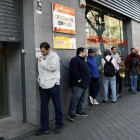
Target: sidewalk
(107, 121)
(11, 128)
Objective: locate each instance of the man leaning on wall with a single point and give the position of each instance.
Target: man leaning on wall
(49, 87)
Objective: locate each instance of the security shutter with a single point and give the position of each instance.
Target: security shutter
(129, 8)
(10, 20)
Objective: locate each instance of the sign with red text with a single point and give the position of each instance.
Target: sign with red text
(63, 19)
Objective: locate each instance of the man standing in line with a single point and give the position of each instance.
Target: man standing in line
(115, 55)
(132, 50)
(49, 87)
(79, 81)
(94, 85)
(109, 66)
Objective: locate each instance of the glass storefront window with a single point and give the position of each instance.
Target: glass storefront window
(103, 31)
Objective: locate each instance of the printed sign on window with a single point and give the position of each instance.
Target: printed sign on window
(63, 19)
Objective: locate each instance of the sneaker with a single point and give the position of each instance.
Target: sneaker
(1, 138)
(71, 117)
(57, 130)
(41, 132)
(95, 102)
(82, 114)
(91, 100)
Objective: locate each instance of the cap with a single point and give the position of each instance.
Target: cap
(90, 50)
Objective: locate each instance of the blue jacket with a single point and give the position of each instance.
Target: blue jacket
(79, 70)
(92, 66)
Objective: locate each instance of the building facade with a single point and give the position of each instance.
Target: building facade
(101, 25)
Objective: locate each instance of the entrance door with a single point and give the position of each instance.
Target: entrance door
(3, 82)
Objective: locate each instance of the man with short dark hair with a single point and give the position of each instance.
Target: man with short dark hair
(115, 55)
(79, 81)
(132, 50)
(94, 85)
(49, 87)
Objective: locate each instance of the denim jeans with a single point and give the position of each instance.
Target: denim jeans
(45, 95)
(77, 100)
(134, 80)
(94, 87)
(112, 82)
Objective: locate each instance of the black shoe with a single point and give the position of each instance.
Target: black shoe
(129, 89)
(138, 89)
(41, 132)
(82, 114)
(105, 101)
(1, 138)
(114, 101)
(71, 117)
(57, 130)
(127, 85)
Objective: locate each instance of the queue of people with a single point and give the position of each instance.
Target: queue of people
(83, 75)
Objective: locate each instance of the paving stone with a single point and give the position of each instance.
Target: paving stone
(119, 121)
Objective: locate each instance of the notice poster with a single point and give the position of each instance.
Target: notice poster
(39, 7)
(63, 19)
(61, 42)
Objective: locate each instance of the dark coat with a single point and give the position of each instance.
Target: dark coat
(79, 70)
(133, 66)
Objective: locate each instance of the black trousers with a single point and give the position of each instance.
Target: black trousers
(94, 87)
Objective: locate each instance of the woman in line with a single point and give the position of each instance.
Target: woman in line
(133, 71)
(121, 76)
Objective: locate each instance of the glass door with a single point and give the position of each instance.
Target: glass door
(3, 82)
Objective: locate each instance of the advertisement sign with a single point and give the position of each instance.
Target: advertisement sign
(63, 19)
(39, 7)
(61, 42)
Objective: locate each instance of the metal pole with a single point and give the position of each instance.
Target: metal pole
(23, 67)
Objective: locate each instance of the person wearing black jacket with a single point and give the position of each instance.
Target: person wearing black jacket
(133, 71)
(79, 81)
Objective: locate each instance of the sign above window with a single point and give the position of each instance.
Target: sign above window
(63, 19)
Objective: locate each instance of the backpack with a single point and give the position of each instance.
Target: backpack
(109, 69)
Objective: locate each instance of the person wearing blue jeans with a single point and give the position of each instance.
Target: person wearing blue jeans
(134, 80)
(79, 80)
(112, 82)
(77, 100)
(109, 80)
(133, 71)
(49, 87)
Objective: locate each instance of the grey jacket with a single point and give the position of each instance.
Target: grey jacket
(49, 71)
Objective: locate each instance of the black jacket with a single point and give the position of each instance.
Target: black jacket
(79, 70)
(133, 66)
